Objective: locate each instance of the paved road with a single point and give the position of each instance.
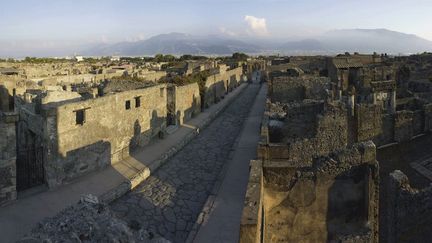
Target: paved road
(169, 201)
(222, 216)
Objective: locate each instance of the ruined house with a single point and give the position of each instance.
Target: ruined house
(309, 182)
(62, 132)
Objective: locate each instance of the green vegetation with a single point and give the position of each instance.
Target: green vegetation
(240, 56)
(191, 57)
(37, 60)
(199, 78)
(164, 58)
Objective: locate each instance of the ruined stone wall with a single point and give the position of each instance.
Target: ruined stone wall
(109, 133)
(217, 85)
(288, 89)
(383, 129)
(188, 102)
(6, 95)
(299, 122)
(335, 198)
(428, 117)
(7, 157)
(408, 210)
(79, 78)
(152, 75)
(418, 122)
(388, 130)
(252, 215)
(403, 126)
(331, 134)
(369, 122)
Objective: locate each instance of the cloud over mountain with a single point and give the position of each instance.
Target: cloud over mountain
(256, 26)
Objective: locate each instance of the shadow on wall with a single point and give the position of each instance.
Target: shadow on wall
(6, 99)
(212, 94)
(347, 201)
(318, 208)
(86, 159)
(141, 138)
(191, 112)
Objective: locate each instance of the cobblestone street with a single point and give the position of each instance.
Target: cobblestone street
(169, 201)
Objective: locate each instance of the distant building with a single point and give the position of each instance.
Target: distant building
(79, 58)
(115, 58)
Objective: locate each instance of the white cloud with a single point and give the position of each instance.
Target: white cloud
(257, 26)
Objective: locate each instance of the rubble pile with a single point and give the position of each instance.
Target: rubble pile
(89, 221)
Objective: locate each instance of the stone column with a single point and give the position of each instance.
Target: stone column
(351, 103)
(393, 102)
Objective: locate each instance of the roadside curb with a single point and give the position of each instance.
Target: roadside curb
(130, 183)
(208, 205)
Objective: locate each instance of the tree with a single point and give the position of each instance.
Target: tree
(240, 56)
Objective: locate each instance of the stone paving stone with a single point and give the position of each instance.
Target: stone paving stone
(170, 200)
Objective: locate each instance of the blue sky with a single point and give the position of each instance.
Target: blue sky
(82, 21)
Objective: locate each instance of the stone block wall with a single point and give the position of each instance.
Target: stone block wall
(373, 124)
(252, 215)
(218, 85)
(335, 198)
(408, 211)
(403, 126)
(369, 122)
(7, 158)
(428, 117)
(113, 126)
(331, 133)
(288, 89)
(188, 102)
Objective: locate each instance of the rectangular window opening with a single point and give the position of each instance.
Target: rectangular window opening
(137, 102)
(127, 104)
(80, 117)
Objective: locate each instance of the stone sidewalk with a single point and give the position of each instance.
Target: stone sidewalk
(19, 217)
(221, 216)
(170, 200)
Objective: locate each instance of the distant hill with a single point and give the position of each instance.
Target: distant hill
(332, 42)
(177, 44)
(361, 40)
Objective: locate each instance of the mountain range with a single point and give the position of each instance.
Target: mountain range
(361, 40)
(176, 44)
(332, 42)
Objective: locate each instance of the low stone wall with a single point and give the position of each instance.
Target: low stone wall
(252, 215)
(408, 211)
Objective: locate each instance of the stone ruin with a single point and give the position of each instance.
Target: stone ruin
(89, 221)
(318, 177)
(308, 184)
